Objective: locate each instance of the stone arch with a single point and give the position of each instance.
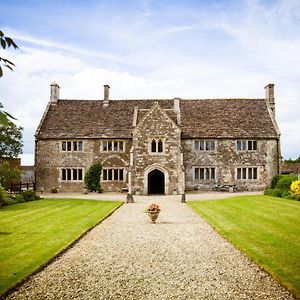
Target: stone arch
(161, 169)
(113, 158)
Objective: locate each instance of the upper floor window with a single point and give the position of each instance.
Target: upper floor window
(244, 145)
(72, 146)
(72, 174)
(157, 146)
(205, 145)
(204, 173)
(113, 174)
(246, 173)
(113, 146)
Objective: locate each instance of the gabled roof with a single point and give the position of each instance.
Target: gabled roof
(206, 118)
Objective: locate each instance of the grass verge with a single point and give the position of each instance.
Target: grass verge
(32, 233)
(265, 228)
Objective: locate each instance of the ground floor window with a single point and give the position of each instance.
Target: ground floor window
(246, 173)
(204, 173)
(113, 174)
(72, 174)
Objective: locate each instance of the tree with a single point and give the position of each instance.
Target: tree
(10, 140)
(7, 174)
(5, 42)
(92, 178)
(292, 161)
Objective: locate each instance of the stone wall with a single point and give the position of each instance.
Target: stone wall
(225, 158)
(50, 159)
(156, 125)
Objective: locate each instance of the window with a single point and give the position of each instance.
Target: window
(113, 146)
(157, 146)
(205, 173)
(71, 146)
(72, 174)
(205, 145)
(243, 145)
(113, 174)
(246, 173)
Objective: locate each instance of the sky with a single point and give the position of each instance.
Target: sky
(152, 49)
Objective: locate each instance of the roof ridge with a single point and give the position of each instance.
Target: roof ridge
(166, 99)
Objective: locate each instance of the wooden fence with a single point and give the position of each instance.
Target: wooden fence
(19, 187)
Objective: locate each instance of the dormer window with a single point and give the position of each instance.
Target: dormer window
(157, 146)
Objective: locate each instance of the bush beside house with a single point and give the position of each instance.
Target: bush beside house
(25, 196)
(281, 187)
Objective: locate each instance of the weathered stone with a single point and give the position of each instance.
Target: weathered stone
(174, 126)
(129, 198)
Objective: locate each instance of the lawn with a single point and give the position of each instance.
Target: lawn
(34, 232)
(266, 228)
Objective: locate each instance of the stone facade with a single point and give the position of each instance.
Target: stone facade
(158, 146)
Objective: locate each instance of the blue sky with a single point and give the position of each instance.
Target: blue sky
(152, 49)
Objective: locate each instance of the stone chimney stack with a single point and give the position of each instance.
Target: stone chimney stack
(54, 92)
(177, 110)
(106, 95)
(270, 99)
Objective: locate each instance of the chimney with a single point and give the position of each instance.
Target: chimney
(54, 92)
(177, 110)
(106, 95)
(270, 99)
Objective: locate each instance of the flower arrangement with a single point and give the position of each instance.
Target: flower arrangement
(154, 208)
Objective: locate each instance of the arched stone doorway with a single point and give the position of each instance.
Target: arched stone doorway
(156, 182)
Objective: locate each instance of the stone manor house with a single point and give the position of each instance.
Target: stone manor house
(158, 146)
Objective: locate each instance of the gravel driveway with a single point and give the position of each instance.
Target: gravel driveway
(126, 257)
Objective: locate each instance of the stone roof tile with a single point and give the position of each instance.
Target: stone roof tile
(206, 118)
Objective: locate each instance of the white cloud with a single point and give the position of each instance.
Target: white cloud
(255, 45)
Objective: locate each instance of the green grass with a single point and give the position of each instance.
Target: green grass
(266, 228)
(34, 232)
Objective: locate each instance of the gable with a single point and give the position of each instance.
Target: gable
(157, 120)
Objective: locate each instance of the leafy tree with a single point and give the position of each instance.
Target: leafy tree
(10, 140)
(7, 174)
(92, 178)
(292, 161)
(6, 42)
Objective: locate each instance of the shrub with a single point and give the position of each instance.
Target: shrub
(274, 181)
(10, 201)
(273, 192)
(295, 189)
(92, 178)
(285, 182)
(3, 195)
(29, 195)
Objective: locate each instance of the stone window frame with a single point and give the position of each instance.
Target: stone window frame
(106, 171)
(203, 145)
(247, 173)
(70, 172)
(113, 143)
(71, 146)
(157, 141)
(207, 172)
(243, 145)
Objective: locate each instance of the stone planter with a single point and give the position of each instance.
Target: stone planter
(153, 215)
